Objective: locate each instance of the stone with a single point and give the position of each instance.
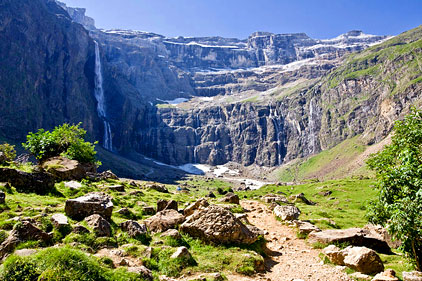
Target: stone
(144, 272)
(158, 187)
(181, 252)
(211, 195)
(231, 198)
(218, 225)
(22, 232)
(387, 275)
(148, 211)
(73, 185)
(363, 259)
(25, 252)
(2, 197)
(166, 205)
(100, 226)
(124, 212)
(67, 169)
(59, 220)
(3, 158)
(382, 234)
(301, 198)
(352, 236)
(287, 212)
(38, 181)
(80, 229)
(89, 204)
(173, 233)
(201, 203)
(412, 276)
(117, 187)
(360, 276)
(133, 228)
(270, 198)
(334, 254)
(106, 175)
(164, 220)
(306, 227)
(325, 193)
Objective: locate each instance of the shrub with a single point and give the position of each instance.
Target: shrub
(8, 151)
(65, 140)
(19, 269)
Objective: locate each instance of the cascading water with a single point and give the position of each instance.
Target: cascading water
(276, 122)
(311, 126)
(99, 96)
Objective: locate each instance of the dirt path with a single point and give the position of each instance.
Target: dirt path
(291, 258)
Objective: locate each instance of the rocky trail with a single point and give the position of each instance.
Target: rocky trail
(290, 258)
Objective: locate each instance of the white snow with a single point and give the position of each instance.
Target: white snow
(191, 169)
(176, 101)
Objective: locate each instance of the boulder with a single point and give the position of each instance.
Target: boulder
(3, 158)
(164, 220)
(158, 187)
(382, 234)
(270, 198)
(306, 227)
(363, 259)
(148, 210)
(211, 195)
(124, 212)
(412, 276)
(100, 225)
(334, 254)
(287, 212)
(22, 232)
(117, 187)
(106, 175)
(73, 184)
(133, 228)
(301, 198)
(2, 197)
(38, 181)
(166, 205)
(218, 225)
(201, 203)
(59, 220)
(172, 233)
(360, 276)
(143, 272)
(67, 169)
(352, 236)
(230, 197)
(181, 252)
(80, 229)
(387, 275)
(89, 204)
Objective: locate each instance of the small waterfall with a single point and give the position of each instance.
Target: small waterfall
(276, 122)
(99, 96)
(311, 126)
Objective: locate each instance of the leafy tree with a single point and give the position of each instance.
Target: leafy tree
(399, 179)
(65, 140)
(8, 151)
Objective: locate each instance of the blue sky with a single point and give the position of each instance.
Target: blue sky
(239, 18)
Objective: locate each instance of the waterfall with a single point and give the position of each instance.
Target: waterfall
(99, 96)
(311, 125)
(276, 123)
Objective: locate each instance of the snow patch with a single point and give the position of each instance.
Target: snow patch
(176, 101)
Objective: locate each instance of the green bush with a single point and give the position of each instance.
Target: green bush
(65, 140)
(19, 269)
(8, 151)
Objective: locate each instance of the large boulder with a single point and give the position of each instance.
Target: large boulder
(388, 275)
(305, 227)
(59, 220)
(287, 212)
(133, 228)
(382, 234)
(270, 198)
(163, 204)
(100, 226)
(164, 220)
(158, 187)
(38, 181)
(89, 204)
(352, 236)
(334, 254)
(218, 225)
(230, 198)
(363, 259)
(22, 232)
(201, 203)
(67, 169)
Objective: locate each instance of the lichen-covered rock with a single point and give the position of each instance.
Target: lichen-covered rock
(100, 226)
(73, 185)
(133, 228)
(89, 204)
(218, 225)
(287, 212)
(164, 220)
(363, 259)
(67, 169)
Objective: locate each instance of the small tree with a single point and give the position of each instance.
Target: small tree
(8, 151)
(65, 140)
(399, 179)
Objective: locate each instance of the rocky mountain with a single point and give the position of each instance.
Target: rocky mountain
(263, 100)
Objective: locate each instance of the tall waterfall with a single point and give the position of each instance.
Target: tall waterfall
(276, 122)
(99, 96)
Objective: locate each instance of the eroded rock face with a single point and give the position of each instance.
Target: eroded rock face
(38, 182)
(218, 225)
(353, 236)
(287, 212)
(91, 203)
(66, 169)
(100, 226)
(164, 220)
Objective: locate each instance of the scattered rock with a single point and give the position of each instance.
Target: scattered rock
(164, 220)
(106, 175)
(67, 169)
(133, 228)
(100, 225)
(387, 275)
(73, 184)
(89, 204)
(136, 193)
(334, 254)
(301, 198)
(144, 272)
(38, 182)
(211, 195)
(218, 225)
(325, 193)
(79, 229)
(117, 187)
(25, 252)
(382, 234)
(158, 187)
(412, 276)
(166, 205)
(272, 198)
(352, 236)
(22, 232)
(201, 203)
(306, 227)
(59, 220)
(363, 259)
(287, 212)
(173, 233)
(360, 276)
(181, 252)
(2, 197)
(230, 197)
(148, 211)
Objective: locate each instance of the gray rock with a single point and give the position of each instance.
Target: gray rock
(230, 198)
(363, 259)
(80, 229)
(166, 205)
(181, 252)
(387, 275)
(301, 198)
(158, 187)
(38, 182)
(306, 227)
(412, 276)
(142, 271)
(201, 203)
(270, 198)
(59, 220)
(73, 185)
(148, 211)
(133, 228)
(117, 187)
(89, 204)
(67, 169)
(173, 233)
(164, 220)
(100, 226)
(287, 212)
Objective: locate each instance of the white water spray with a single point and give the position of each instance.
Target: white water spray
(99, 96)
(276, 122)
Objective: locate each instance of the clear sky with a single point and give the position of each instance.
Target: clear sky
(239, 18)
